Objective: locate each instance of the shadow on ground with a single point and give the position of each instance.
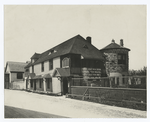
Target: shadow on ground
(13, 112)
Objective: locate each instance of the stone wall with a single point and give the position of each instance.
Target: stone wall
(129, 98)
(111, 61)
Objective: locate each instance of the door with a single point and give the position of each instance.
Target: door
(34, 84)
(65, 86)
(6, 84)
(27, 82)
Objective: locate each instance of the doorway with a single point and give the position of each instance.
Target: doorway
(34, 84)
(65, 86)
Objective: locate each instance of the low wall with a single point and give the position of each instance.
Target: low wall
(18, 85)
(124, 97)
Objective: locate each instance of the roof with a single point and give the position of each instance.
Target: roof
(15, 66)
(47, 76)
(38, 77)
(62, 72)
(36, 55)
(114, 46)
(75, 45)
(42, 76)
(28, 65)
(29, 75)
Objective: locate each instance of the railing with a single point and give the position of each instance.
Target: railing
(120, 82)
(127, 92)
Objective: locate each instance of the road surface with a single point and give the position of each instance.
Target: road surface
(13, 112)
(65, 107)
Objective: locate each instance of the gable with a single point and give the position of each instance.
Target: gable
(87, 50)
(56, 74)
(7, 69)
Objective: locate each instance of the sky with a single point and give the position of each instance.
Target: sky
(37, 28)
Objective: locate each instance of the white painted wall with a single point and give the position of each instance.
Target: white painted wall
(14, 77)
(30, 68)
(8, 70)
(18, 85)
(56, 64)
(56, 85)
(116, 74)
(37, 68)
(46, 66)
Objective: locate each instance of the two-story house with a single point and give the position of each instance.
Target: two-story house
(53, 69)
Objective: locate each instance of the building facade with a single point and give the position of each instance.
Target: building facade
(14, 73)
(52, 70)
(116, 61)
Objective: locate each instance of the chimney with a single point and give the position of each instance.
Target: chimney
(27, 62)
(88, 39)
(113, 41)
(121, 42)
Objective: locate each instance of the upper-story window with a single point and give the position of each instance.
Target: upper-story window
(65, 62)
(42, 66)
(52, 51)
(50, 64)
(32, 68)
(19, 75)
(121, 58)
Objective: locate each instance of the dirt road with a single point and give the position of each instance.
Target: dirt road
(62, 106)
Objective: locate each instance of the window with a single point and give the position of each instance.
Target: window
(123, 80)
(19, 75)
(65, 62)
(31, 83)
(52, 51)
(50, 64)
(32, 69)
(121, 58)
(40, 85)
(42, 66)
(117, 80)
(85, 46)
(48, 83)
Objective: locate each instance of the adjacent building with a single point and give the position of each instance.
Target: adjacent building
(14, 72)
(116, 62)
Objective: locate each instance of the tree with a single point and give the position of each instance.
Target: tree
(141, 72)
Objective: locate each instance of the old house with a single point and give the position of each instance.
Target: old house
(14, 73)
(51, 70)
(116, 62)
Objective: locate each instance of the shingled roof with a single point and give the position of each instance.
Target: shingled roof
(36, 55)
(62, 72)
(113, 45)
(15, 66)
(75, 45)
